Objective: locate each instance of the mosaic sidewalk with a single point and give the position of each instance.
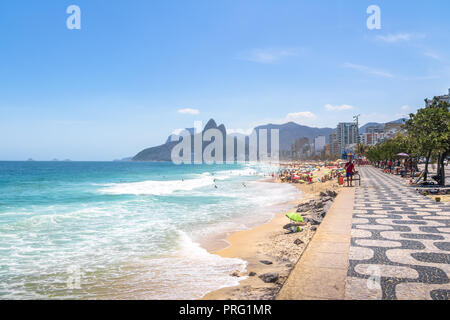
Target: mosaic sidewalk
(400, 242)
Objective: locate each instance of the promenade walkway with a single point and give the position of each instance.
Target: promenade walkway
(378, 241)
(400, 245)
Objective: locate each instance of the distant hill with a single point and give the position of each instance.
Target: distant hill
(164, 151)
(371, 124)
(289, 132)
(401, 120)
(159, 153)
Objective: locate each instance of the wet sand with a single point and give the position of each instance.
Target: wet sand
(268, 242)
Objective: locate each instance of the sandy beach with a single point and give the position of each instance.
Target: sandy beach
(269, 249)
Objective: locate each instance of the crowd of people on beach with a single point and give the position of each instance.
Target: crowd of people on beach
(306, 173)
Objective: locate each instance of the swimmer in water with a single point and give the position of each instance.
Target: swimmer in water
(215, 186)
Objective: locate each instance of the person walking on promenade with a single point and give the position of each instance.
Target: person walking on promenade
(350, 170)
(390, 165)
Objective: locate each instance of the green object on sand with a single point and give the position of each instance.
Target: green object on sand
(295, 216)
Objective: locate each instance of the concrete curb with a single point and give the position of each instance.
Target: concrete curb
(321, 272)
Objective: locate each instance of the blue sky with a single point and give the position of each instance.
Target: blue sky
(122, 82)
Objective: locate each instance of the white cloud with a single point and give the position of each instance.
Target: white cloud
(375, 117)
(422, 78)
(433, 55)
(385, 74)
(301, 116)
(177, 131)
(245, 132)
(343, 107)
(404, 112)
(369, 70)
(189, 111)
(267, 56)
(393, 38)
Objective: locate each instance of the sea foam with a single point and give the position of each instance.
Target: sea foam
(142, 238)
(157, 188)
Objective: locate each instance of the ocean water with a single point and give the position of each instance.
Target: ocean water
(124, 230)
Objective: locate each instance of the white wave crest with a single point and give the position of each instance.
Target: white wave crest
(157, 187)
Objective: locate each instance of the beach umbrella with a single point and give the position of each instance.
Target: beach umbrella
(403, 155)
(295, 216)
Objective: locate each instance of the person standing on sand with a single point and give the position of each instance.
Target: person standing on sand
(350, 170)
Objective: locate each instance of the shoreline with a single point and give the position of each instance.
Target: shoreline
(270, 243)
(220, 241)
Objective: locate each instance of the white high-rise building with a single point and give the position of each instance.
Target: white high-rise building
(347, 135)
(319, 144)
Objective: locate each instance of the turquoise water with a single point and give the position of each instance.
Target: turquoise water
(121, 230)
